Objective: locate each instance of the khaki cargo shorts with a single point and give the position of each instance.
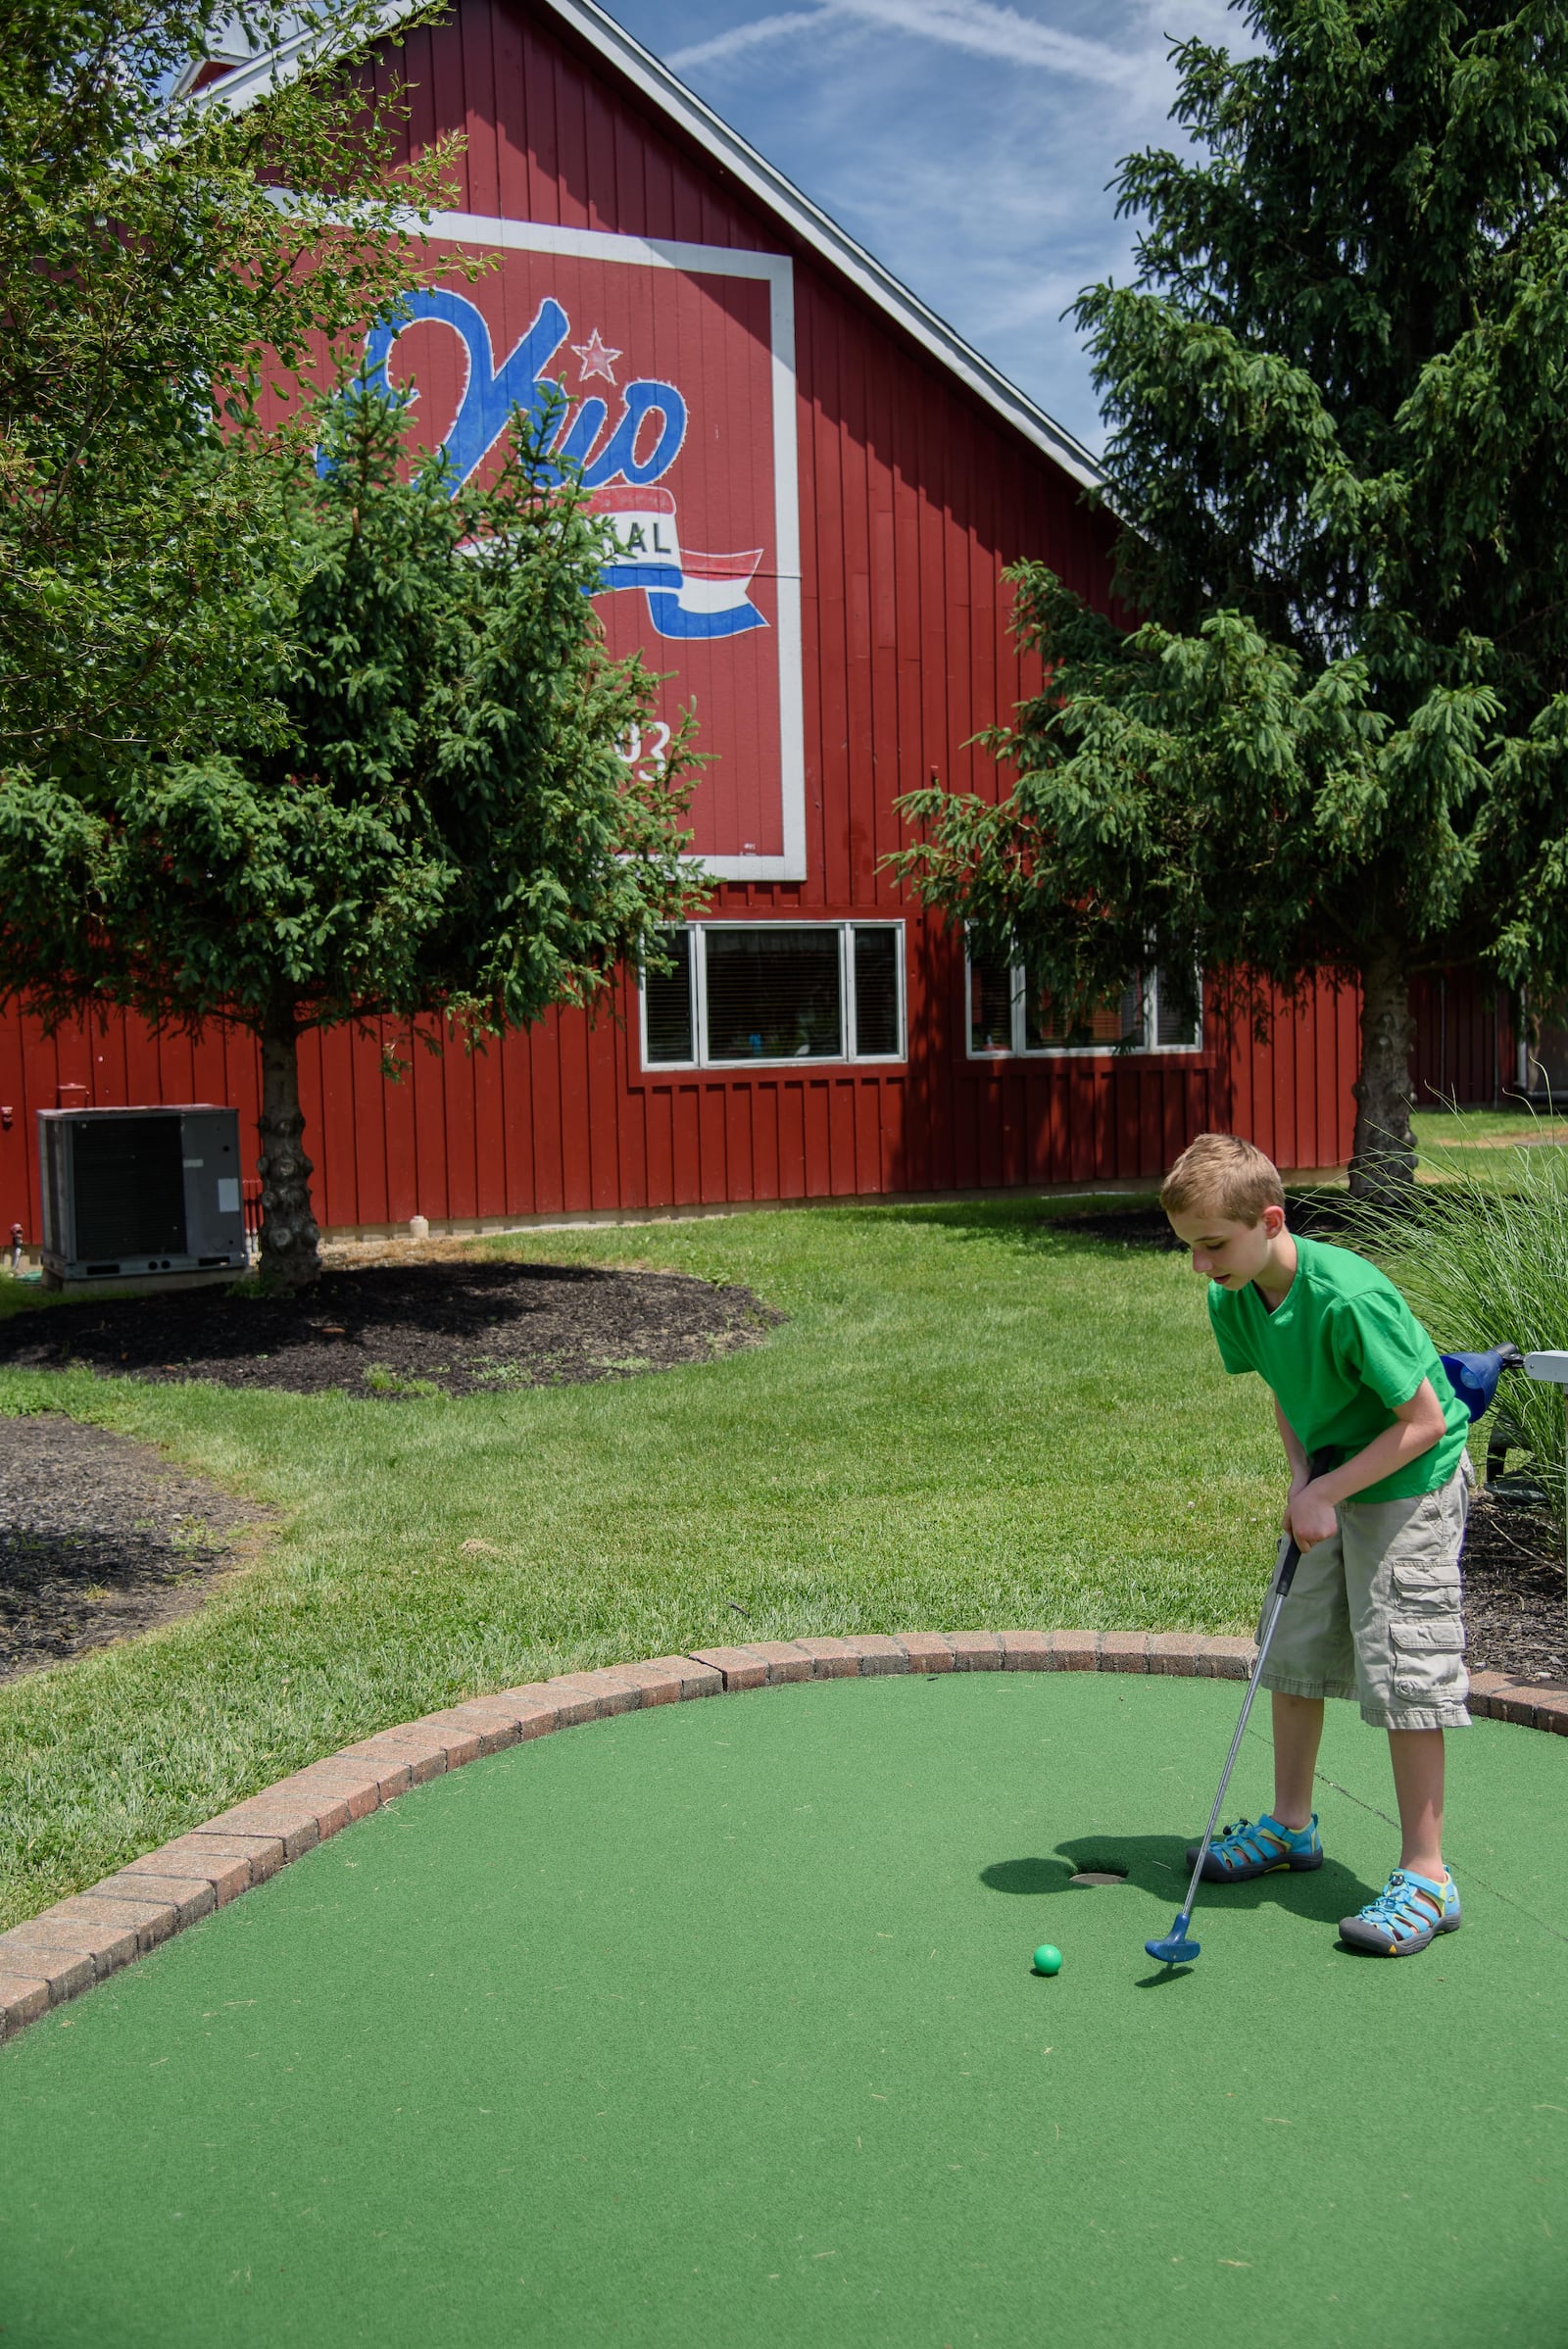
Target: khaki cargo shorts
(1374, 1612)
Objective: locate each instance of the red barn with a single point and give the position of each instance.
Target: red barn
(816, 487)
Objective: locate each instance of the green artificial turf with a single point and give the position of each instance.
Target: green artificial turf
(715, 2024)
(972, 1417)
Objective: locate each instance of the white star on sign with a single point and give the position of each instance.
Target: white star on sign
(596, 355)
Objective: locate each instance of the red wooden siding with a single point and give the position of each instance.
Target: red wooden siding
(562, 1122)
(914, 498)
(1465, 1050)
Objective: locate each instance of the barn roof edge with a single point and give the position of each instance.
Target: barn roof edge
(806, 220)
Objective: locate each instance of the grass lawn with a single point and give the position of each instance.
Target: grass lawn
(1495, 1143)
(971, 1418)
(1485, 1128)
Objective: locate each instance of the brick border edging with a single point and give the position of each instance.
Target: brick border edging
(80, 1940)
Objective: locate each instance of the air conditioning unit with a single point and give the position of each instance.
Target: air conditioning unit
(132, 1193)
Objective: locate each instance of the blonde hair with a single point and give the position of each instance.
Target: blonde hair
(1220, 1174)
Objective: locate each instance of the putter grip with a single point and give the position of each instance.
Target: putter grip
(1320, 1463)
(1287, 1573)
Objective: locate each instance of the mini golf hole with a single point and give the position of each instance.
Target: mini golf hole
(1100, 1872)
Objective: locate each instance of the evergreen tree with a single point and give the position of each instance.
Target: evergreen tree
(444, 828)
(1338, 742)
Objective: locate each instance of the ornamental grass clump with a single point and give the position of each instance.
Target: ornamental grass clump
(1483, 1256)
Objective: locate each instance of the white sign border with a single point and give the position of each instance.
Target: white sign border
(777, 272)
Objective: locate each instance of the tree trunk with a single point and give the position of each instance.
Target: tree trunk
(1383, 1160)
(289, 1231)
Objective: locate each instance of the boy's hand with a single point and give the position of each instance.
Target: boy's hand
(1301, 1477)
(1308, 1517)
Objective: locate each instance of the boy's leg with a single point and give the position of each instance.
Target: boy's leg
(1297, 1735)
(1402, 1576)
(1417, 1756)
(1311, 1659)
(1402, 1579)
(1313, 1656)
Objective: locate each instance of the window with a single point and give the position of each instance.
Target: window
(877, 1025)
(739, 993)
(991, 993)
(1154, 1014)
(774, 995)
(670, 1012)
(1105, 1029)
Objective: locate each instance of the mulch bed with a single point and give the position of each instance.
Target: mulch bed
(100, 1538)
(1513, 1591)
(395, 1332)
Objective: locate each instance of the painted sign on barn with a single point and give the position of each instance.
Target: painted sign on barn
(675, 366)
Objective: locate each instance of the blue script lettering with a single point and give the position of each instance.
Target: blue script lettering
(490, 394)
(619, 459)
(583, 429)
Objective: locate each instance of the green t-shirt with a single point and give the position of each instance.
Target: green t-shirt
(1342, 1350)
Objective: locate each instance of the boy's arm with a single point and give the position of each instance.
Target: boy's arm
(1294, 1448)
(1417, 1426)
(1300, 1466)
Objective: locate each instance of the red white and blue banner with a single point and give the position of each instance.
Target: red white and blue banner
(675, 367)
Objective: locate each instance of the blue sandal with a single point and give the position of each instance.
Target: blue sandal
(1257, 1848)
(1409, 1912)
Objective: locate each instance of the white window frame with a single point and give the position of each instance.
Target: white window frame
(1017, 1050)
(845, 926)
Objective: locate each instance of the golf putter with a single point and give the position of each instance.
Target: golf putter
(1177, 1949)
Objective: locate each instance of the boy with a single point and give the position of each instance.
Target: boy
(1374, 1610)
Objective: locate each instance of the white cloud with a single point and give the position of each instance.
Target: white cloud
(759, 33)
(966, 143)
(973, 25)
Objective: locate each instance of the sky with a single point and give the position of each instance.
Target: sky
(967, 144)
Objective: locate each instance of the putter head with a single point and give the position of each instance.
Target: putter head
(1474, 1377)
(1175, 1949)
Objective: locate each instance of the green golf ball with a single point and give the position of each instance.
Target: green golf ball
(1047, 1959)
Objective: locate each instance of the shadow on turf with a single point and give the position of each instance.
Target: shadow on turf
(1158, 1864)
